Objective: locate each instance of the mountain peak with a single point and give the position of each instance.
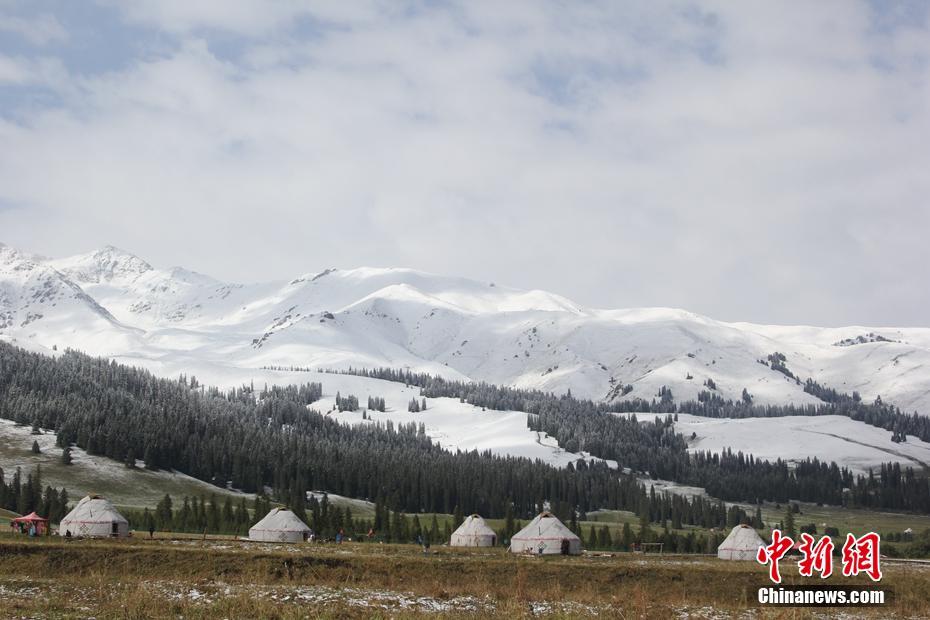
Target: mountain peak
(11, 257)
(103, 265)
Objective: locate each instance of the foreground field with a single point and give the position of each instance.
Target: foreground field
(51, 578)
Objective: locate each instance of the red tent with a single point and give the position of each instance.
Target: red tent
(27, 522)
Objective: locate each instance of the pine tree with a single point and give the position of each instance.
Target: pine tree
(66, 456)
(509, 530)
(434, 530)
(149, 457)
(644, 531)
(788, 526)
(416, 533)
(62, 505)
(213, 516)
(35, 447)
(163, 513)
(228, 516)
(627, 537)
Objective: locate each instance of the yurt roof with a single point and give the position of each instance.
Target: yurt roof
(281, 519)
(95, 509)
(742, 537)
(545, 526)
(474, 525)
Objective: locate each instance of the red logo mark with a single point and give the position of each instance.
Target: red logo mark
(861, 555)
(817, 557)
(770, 554)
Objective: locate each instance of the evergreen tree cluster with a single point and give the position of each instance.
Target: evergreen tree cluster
(376, 403)
(25, 496)
(778, 362)
(327, 519)
(196, 515)
(415, 406)
(600, 539)
(346, 403)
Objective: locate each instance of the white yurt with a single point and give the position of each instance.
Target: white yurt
(473, 532)
(94, 517)
(545, 535)
(280, 525)
(742, 544)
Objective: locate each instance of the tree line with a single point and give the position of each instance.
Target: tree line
(250, 439)
(25, 496)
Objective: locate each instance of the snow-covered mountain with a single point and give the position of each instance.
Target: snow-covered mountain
(110, 302)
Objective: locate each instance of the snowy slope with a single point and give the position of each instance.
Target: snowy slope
(41, 305)
(849, 443)
(453, 425)
(113, 303)
(794, 438)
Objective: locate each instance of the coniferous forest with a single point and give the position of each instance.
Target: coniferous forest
(654, 448)
(25, 494)
(250, 440)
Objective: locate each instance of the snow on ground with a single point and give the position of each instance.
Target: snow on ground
(830, 438)
(358, 506)
(454, 425)
(668, 486)
(338, 601)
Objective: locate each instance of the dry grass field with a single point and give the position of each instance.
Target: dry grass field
(225, 578)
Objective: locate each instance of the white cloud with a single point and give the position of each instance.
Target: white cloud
(40, 71)
(246, 17)
(38, 30)
(749, 162)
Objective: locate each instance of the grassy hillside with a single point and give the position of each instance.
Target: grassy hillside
(853, 520)
(5, 516)
(124, 486)
(132, 488)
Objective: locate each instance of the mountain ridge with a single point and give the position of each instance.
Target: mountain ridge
(121, 306)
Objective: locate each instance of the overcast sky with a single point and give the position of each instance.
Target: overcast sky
(761, 161)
